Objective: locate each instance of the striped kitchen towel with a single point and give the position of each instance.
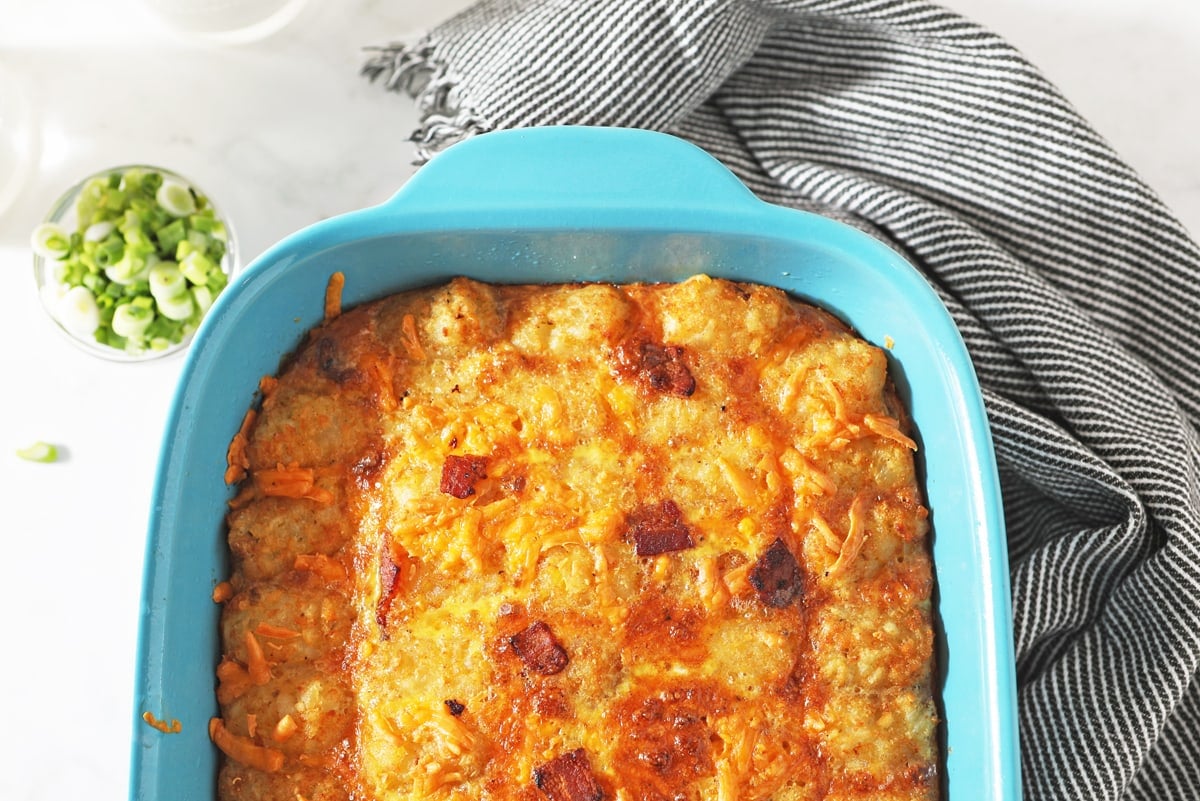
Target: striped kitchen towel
(1076, 290)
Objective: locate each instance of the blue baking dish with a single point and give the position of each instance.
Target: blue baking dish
(574, 204)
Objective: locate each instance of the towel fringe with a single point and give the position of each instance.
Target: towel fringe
(415, 70)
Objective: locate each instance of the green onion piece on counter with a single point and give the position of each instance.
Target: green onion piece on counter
(39, 452)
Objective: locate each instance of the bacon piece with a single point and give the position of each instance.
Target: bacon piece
(539, 649)
(658, 367)
(390, 584)
(568, 777)
(776, 575)
(459, 474)
(658, 528)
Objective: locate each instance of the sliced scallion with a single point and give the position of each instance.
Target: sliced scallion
(78, 312)
(203, 297)
(50, 241)
(98, 232)
(38, 452)
(176, 198)
(196, 267)
(166, 280)
(176, 307)
(131, 320)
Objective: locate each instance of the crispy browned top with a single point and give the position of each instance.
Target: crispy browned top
(578, 542)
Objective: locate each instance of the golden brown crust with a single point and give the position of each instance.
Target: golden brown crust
(577, 542)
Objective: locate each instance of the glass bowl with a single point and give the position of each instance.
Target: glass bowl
(116, 283)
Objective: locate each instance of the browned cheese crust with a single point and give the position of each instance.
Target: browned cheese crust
(578, 542)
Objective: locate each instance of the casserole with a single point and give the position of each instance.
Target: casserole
(574, 204)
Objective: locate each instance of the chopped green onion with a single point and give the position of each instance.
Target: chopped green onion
(209, 225)
(203, 297)
(176, 307)
(196, 267)
(110, 251)
(169, 236)
(176, 198)
(129, 269)
(131, 320)
(166, 280)
(39, 452)
(78, 312)
(95, 283)
(51, 241)
(98, 232)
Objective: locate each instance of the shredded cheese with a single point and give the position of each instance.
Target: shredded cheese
(320, 564)
(243, 749)
(806, 476)
(829, 538)
(285, 729)
(233, 680)
(856, 536)
(173, 727)
(888, 428)
(333, 295)
(275, 632)
(743, 486)
(292, 481)
(256, 660)
(236, 459)
(737, 580)
(410, 341)
(713, 591)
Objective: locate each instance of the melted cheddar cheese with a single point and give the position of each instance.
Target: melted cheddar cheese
(577, 542)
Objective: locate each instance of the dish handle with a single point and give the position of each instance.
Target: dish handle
(596, 169)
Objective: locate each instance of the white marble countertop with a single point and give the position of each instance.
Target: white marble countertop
(283, 132)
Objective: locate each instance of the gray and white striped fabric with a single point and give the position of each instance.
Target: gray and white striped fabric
(1077, 291)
